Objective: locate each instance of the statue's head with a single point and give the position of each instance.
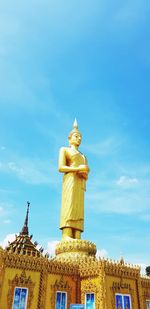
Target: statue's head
(75, 136)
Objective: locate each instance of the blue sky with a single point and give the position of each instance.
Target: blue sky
(86, 59)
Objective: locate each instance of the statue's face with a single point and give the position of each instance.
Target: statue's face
(75, 139)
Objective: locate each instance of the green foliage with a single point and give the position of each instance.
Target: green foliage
(148, 270)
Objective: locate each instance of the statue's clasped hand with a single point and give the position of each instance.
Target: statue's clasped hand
(83, 168)
(83, 171)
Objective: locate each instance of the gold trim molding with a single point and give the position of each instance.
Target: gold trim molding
(90, 287)
(121, 287)
(75, 248)
(20, 281)
(61, 286)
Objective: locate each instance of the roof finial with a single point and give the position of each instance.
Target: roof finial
(25, 227)
(122, 260)
(75, 124)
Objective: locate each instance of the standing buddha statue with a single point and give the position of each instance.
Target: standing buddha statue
(75, 168)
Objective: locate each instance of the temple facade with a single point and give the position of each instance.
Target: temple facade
(30, 280)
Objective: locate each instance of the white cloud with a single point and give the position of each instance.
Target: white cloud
(131, 12)
(7, 221)
(5, 241)
(118, 201)
(146, 217)
(126, 181)
(143, 267)
(3, 148)
(106, 147)
(30, 171)
(6, 208)
(1, 210)
(102, 253)
(51, 247)
(123, 194)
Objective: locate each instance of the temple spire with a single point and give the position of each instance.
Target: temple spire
(25, 230)
(23, 244)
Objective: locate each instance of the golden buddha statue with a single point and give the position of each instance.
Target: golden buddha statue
(75, 168)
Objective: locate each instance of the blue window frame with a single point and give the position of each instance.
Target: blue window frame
(147, 304)
(77, 306)
(123, 301)
(20, 298)
(61, 300)
(90, 301)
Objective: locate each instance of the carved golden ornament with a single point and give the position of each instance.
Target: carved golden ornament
(90, 287)
(20, 281)
(121, 287)
(75, 248)
(145, 282)
(51, 265)
(144, 288)
(42, 288)
(120, 269)
(146, 294)
(2, 269)
(61, 286)
(14, 260)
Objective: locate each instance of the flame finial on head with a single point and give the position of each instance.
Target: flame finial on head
(75, 124)
(75, 129)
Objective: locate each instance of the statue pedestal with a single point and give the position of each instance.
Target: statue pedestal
(74, 249)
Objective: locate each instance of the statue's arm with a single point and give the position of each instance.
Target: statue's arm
(62, 165)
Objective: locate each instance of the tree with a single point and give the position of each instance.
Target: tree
(148, 270)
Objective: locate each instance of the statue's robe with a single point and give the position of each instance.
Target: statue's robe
(72, 209)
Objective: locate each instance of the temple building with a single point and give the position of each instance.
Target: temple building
(29, 280)
(74, 278)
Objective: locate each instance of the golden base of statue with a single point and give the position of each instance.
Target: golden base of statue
(74, 249)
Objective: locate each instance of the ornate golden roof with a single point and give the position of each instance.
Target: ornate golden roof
(23, 244)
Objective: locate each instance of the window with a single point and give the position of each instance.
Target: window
(20, 298)
(77, 306)
(147, 304)
(90, 301)
(61, 300)
(123, 301)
